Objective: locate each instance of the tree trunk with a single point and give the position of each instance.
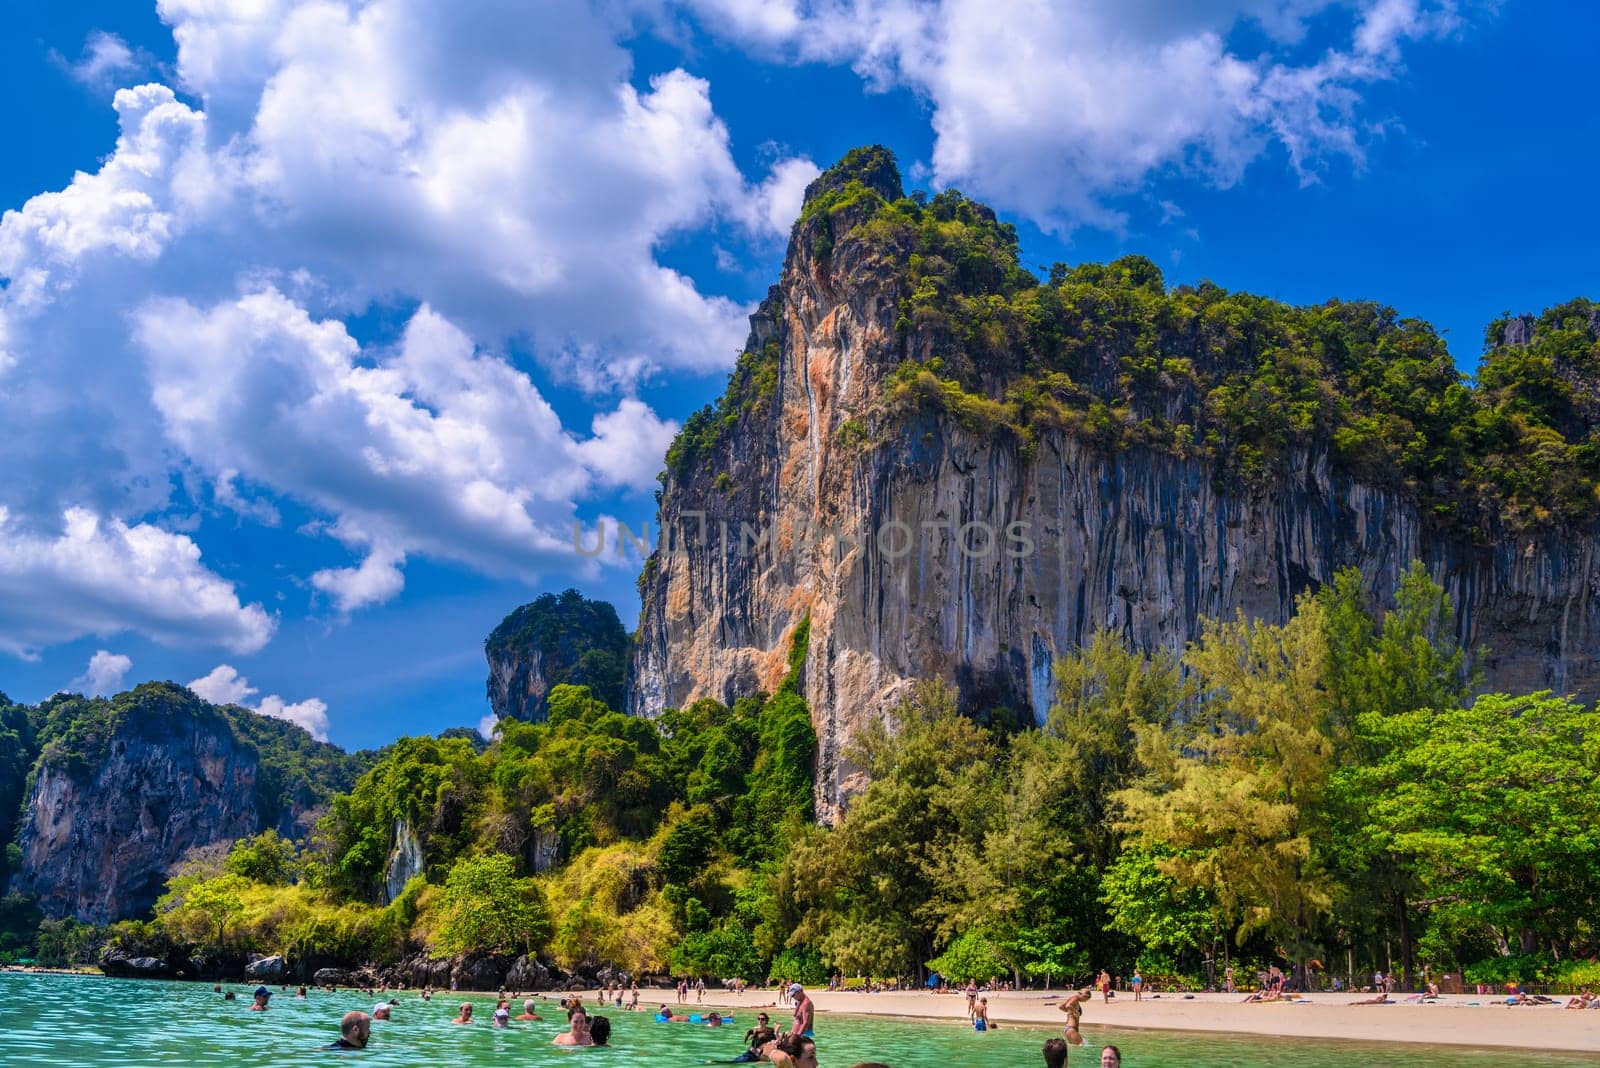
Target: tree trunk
(1403, 923)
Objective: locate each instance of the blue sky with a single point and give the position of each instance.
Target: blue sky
(308, 375)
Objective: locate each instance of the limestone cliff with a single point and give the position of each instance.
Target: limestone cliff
(124, 787)
(556, 639)
(869, 468)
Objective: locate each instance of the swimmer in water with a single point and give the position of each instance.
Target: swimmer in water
(502, 1013)
(600, 1030)
(380, 1011)
(793, 1051)
(1110, 1057)
(579, 1035)
(354, 1030)
(465, 1015)
(1055, 1053)
(262, 996)
(527, 1011)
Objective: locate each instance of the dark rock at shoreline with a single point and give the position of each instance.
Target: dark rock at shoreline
(118, 964)
(528, 973)
(486, 972)
(335, 977)
(605, 975)
(266, 969)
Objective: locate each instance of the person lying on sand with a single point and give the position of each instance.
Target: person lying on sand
(1582, 1000)
(1381, 999)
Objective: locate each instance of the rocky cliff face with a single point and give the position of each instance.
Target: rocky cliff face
(921, 547)
(124, 787)
(556, 639)
(98, 845)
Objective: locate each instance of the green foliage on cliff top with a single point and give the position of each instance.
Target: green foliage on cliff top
(581, 642)
(18, 748)
(1109, 353)
(75, 735)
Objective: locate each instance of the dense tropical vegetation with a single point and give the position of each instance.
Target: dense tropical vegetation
(1254, 386)
(1326, 794)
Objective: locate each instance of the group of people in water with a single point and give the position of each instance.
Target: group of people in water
(793, 1048)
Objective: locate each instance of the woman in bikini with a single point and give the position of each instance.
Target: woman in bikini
(1072, 1005)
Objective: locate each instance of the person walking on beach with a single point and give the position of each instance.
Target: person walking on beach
(1105, 985)
(972, 998)
(1227, 979)
(803, 1010)
(700, 990)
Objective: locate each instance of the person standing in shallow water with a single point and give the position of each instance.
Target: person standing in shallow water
(1072, 1005)
(1110, 1057)
(804, 1011)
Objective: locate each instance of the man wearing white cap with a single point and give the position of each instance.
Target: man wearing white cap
(803, 1010)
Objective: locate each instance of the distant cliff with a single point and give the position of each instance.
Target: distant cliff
(556, 639)
(123, 787)
(957, 470)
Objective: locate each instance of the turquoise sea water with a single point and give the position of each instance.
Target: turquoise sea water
(61, 1021)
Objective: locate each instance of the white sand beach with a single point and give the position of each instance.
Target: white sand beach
(1462, 1020)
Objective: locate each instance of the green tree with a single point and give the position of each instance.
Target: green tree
(970, 957)
(1497, 804)
(1153, 908)
(203, 908)
(1409, 659)
(264, 858)
(484, 906)
(866, 894)
(1235, 793)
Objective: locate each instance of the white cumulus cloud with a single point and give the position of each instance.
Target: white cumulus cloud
(100, 576)
(223, 685)
(172, 332)
(103, 676)
(1048, 108)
